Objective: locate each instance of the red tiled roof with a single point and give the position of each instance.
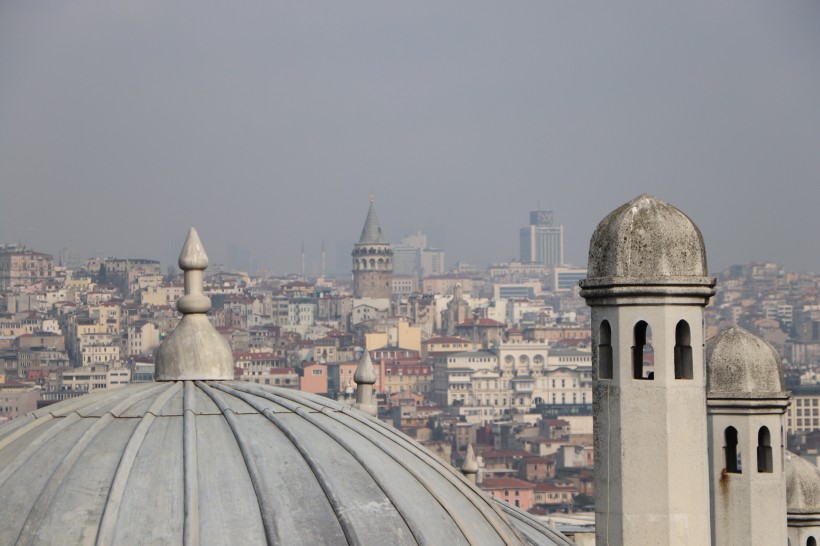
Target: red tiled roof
(506, 483)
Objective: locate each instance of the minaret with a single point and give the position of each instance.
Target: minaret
(324, 260)
(647, 279)
(372, 260)
(746, 400)
(303, 258)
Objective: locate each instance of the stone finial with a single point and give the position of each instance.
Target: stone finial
(194, 350)
(365, 378)
(470, 466)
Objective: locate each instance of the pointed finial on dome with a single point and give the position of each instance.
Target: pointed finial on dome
(194, 350)
(365, 378)
(470, 466)
(193, 253)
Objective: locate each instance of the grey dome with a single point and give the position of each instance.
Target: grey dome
(226, 462)
(739, 362)
(646, 239)
(802, 485)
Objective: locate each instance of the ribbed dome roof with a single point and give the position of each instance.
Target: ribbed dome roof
(802, 485)
(739, 362)
(195, 460)
(233, 463)
(646, 238)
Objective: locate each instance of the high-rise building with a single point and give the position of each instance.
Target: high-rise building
(372, 260)
(412, 256)
(541, 241)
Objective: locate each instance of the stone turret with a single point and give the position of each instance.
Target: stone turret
(372, 260)
(746, 400)
(647, 285)
(802, 501)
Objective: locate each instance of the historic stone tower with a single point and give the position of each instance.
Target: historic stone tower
(746, 398)
(372, 261)
(647, 285)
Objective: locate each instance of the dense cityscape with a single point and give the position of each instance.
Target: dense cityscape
(498, 358)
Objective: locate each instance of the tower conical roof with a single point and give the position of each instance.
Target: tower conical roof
(372, 231)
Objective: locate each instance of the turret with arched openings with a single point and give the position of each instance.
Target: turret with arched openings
(647, 285)
(746, 399)
(372, 260)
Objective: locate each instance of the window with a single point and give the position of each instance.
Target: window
(605, 351)
(732, 455)
(683, 351)
(643, 357)
(764, 450)
(811, 542)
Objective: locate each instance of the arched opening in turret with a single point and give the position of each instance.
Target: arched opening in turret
(764, 450)
(643, 355)
(683, 351)
(731, 453)
(605, 351)
(372, 263)
(811, 542)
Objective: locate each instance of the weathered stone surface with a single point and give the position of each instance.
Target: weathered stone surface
(802, 485)
(740, 363)
(647, 238)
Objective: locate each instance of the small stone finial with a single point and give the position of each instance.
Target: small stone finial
(194, 350)
(365, 378)
(470, 466)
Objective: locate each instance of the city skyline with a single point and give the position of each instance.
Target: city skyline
(460, 117)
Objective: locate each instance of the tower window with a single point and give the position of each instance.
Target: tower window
(764, 450)
(605, 351)
(732, 455)
(643, 355)
(811, 542)
(683, 351)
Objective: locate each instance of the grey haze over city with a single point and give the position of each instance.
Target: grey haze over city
(268, 124)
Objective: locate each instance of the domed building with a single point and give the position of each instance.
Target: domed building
(197, 458)
(802, 501)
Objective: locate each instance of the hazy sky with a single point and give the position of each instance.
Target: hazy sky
(266, 124)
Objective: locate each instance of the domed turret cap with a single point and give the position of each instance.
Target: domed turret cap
(646, 238)
(802, 485)
(740, 363)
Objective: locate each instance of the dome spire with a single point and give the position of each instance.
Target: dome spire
(365, 378)
(470, 466)
(194, 350)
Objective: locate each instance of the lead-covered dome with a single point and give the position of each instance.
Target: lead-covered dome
(740, 363)
(802, 485)
(232, 463)
(198, 459)
(646, 238)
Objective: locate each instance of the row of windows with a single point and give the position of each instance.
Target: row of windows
(643, 354)
(732, 455)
